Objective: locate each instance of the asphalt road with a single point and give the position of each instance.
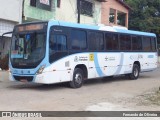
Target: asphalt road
(117, 93)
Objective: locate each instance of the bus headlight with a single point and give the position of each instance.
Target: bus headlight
(41, 69)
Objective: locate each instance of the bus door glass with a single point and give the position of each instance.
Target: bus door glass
(57, 46)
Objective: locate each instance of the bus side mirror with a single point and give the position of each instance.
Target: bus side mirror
(2, 37)
(2, 41)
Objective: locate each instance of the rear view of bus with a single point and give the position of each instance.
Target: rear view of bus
(27, 54)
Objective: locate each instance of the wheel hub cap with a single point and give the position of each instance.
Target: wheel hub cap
(78, 78)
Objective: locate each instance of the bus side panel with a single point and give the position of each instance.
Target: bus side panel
(62, 69)
(97, 64)
(149, 61)
(109, 63)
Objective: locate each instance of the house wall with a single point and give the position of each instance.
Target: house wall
(36, 14)
(114, 5)
(68, 12)
(5, 26)
(10, 15)
(11, 10)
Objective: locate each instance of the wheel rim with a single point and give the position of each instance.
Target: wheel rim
(78, 78)
(136, 72)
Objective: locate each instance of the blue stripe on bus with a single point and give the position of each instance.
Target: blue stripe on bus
(120, 65)
(97, 66)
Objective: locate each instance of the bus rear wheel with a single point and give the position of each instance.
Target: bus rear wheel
(135, 72)
(78, 78)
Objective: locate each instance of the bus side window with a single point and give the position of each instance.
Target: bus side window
(112, 41)
(109, 40)
(153, 44)
(125, 42)
(128, 42)
(58, 43)
(100, 41)
(78, 40)
(146, 43)
(136, 43)
(96, 41)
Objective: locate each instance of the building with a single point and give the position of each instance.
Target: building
(115, 13)
(108, 12)
(93, 12)
(10, 15)
(38, 10)
(90, 11)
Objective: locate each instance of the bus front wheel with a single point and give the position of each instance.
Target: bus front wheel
(135, 72)
(78, 78)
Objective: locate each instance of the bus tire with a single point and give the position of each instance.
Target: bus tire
(78, 78)
(135, 72)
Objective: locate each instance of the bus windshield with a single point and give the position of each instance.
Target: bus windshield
(27, 48)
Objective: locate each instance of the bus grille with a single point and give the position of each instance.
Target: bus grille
(20, 78)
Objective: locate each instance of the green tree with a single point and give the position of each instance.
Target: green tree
(145, 16)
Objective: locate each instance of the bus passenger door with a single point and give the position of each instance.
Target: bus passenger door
(58, 50)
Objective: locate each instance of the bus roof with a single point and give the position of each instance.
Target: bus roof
(104, 28)
(136, 32)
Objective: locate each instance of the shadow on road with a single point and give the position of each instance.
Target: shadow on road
(106, 80)
(32, 86)
(87, 83)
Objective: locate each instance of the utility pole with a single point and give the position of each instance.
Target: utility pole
(79, 10)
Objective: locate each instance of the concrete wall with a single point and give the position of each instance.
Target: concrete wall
(114, 5)
(68, 12)
(6, 26)
(11, 10)
(10, 15)
(36, 14)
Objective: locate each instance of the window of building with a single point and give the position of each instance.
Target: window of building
(42, 4)
(58, 3)
(78, 39)
(121, 18)
(86, 7)
(96, 41)
(112, 41)
(112, 16)
(33, 3)
(136, 43)
(125, 42)
(146, 44)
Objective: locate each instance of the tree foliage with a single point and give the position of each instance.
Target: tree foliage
(145, 16)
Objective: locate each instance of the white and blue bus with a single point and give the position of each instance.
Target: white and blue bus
(55, 51)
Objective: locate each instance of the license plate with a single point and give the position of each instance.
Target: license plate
(24, 80)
